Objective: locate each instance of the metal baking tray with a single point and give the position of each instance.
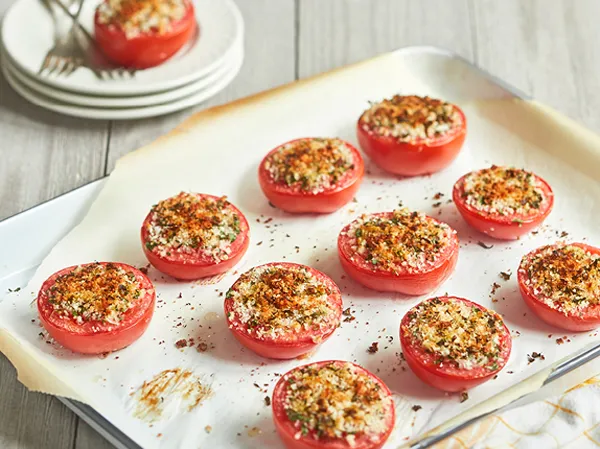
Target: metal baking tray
(28, 236)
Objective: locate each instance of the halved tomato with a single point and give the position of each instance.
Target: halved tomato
(143, 33)
(96, 307)
(454, 344)
(503, 202)
(311, 175)
(561, 284)
(283, 310)
(401, 251)
(194, 235)
(412, 135)
(306, 398)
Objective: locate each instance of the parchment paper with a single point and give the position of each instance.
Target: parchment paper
(217, 152)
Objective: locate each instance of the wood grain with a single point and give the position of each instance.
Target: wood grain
(340, 32)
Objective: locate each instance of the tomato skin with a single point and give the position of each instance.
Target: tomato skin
(412, 158)
(500, 227)
(448, 378)
(146, 49)
(414, 284)
(286, 430)
(186, 267)
(325, 202)
(588, 320)
(97, 338)
(280, 347)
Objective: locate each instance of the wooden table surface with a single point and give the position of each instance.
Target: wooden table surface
(547, 48)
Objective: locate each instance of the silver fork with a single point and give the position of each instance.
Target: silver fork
(77, 48)
(66, 55)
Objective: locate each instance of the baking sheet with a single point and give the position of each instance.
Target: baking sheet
(501, 131)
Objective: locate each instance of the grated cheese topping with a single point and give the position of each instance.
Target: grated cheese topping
(400, 241)
(504, 190)
(564, 277)
(457, 333)
(411, 118)
(310, 165)
(194, 224)
(283, 300)
(137, 17)
(95, 292)
(336, 400)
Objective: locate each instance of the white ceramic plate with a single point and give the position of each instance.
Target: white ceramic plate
(120, 113)
(28, 32)
(127, 102)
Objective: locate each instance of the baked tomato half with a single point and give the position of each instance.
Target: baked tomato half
(97, 307)
(143, 33)
(503, 202)
(332, 405)
(412, 135)
(283, 310)
(400, 251)
(454, 344)
(311, 175)
(194, 235)
(561, 284)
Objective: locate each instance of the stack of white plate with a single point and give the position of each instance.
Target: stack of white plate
(208, 63)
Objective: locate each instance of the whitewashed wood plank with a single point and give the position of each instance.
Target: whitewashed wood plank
(269, 62)
(539, 47)
(338, 32)
(43, 154)
(31, 420)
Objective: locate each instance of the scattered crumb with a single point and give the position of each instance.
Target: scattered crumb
(373, 348)
(483, 245)
(505, 275)
(464, 396)
(535, 355)
(207, 429)
(495, 287)
(267, 401)
(181, 343)
(416, 408)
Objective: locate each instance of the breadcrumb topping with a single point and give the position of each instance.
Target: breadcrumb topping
(137, 17)
(410, 118)
(310, 165)
(504, 190)
(193, 224)
(564, 277)
(95, 292)
(457, 333)
(399, 241)
(283, 300)
(336, 400)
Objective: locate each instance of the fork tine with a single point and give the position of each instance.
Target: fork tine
(66, 63)
(52, 65)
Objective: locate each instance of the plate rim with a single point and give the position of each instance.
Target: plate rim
(131, 89)
(120, 113)
(137, 101)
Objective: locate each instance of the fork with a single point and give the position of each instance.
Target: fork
(66, 55)
(77, 48)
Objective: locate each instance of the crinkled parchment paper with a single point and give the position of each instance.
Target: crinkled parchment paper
(217, 152)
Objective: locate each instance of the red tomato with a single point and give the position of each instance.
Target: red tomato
(577, 319)
(97, 336)
(146, 49)
(440, 371)
(407, 280)
(260, 327)
(184, 263)
(419, 156)
(300, 196)
(291, 433)
(502, 226)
